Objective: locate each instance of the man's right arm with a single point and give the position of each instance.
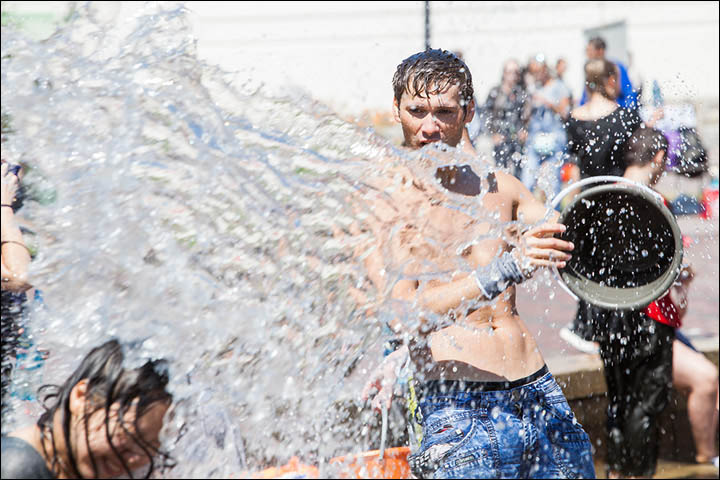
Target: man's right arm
(538, 249)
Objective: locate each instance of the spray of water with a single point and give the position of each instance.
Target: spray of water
(207, 221)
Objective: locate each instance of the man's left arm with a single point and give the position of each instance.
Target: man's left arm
(527, 209)
(538, 236)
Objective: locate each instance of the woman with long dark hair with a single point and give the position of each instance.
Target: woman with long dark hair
(103, 422)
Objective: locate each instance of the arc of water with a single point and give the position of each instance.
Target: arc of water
(590, 181)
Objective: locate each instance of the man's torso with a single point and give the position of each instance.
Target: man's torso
(488, 342)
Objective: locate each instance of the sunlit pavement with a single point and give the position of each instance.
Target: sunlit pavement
(667, 469)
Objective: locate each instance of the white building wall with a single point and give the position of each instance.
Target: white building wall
(345, 53)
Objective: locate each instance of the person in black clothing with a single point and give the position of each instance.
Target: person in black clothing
(597, 134)
(636, 346)
(103, 422)
(598, 130)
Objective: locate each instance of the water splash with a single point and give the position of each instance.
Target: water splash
(202, 216)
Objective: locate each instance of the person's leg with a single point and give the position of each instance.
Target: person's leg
(562, 449)
(456, 441)
(579, 332)
(694, 372)
(638, 372)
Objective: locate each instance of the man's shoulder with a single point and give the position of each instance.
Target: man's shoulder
(505, 186)
(506, 181)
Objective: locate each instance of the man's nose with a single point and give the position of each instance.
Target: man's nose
(430, 126)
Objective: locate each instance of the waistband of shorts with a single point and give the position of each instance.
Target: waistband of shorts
(443, 387)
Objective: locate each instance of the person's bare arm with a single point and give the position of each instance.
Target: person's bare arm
(538, 249)
(380, 384)
(528, 209)
(14, 255)
(679, 291)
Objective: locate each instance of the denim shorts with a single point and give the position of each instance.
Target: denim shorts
(485, 430)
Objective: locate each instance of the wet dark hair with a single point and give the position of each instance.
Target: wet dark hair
(598, 43)
(108, 383)
(431, 72)
(643, 145)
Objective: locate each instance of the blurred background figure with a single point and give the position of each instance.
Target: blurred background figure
(532, 73)
(547, 140)
(626, 97)
(560, 69)
(597, 134)
(507, 111)
(599, 128)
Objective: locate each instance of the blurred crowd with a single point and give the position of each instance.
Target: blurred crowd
(537, 126)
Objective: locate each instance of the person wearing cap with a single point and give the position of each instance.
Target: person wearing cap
(488, 407)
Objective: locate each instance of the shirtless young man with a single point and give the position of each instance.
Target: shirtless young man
(488, 405)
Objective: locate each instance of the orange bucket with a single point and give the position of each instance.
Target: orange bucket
(293, 469)
(368, 464)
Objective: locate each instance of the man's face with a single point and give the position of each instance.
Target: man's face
(594, 53)
(440, 118)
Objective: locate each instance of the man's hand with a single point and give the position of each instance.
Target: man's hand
(382, 380)
(538, 248)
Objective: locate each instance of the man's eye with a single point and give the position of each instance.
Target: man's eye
(416, 111)
(445, 111)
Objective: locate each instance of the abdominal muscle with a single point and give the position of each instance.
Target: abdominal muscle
(491, 344)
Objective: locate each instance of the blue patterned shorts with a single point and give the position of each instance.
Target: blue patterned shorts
(519, 429)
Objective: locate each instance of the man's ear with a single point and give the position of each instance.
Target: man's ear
(469, 111)
(78, 396)
(396, 110)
